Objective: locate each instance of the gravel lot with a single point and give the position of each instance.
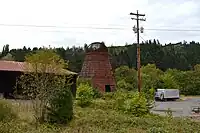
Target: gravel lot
(178, 108)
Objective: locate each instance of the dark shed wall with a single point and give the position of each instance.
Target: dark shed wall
(8, 82)
(3, 85)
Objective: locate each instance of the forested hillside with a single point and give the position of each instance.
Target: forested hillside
(182, 56)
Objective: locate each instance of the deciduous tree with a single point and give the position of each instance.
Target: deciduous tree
(42, 80)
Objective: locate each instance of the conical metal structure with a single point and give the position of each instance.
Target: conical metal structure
(97, 67)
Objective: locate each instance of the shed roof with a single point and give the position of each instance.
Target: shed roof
(22, 67)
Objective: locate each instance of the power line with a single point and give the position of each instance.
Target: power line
(100, 28)
(54, 26)
(142, 38)
(174, 29)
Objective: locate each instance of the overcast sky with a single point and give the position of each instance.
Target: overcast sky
(167, 14)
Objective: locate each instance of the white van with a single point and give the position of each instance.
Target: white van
(164, 94)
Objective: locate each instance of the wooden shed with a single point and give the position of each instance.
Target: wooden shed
(11, 70)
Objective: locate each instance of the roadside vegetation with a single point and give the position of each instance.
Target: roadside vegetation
(104, 115)
(188, 82)
(51, 108)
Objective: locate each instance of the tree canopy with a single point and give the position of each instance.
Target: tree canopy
(181, 56)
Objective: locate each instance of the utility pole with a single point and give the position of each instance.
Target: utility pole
(138, 30)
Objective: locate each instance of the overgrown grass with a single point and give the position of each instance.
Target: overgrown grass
(99, 118)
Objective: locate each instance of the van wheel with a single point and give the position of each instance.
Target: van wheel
(162, 97)
(156, 99)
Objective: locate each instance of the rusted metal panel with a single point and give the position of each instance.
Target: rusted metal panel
(11, 66)
(26, 67)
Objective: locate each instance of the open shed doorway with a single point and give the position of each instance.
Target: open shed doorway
(107, 88)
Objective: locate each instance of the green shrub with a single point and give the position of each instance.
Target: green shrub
(84, 81)
(129, 102)
(137, 105)
(123, 85)
(150, 76)
(132, 103)
(108, 96)
(119, 97)
(60, 110)
(6, 111)
(150, 98)
(97, 93)
(126, 78)
(85, 95)
(22, 127)
(156, 130)
(168, 81)
(103, 104)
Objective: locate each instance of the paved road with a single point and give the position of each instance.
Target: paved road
(178, 108)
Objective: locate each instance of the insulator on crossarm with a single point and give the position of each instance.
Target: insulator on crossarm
(142, 29)
(135, 29)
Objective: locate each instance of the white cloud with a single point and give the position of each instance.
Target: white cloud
(181, 14)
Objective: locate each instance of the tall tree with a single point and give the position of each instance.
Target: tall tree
(5, 50)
